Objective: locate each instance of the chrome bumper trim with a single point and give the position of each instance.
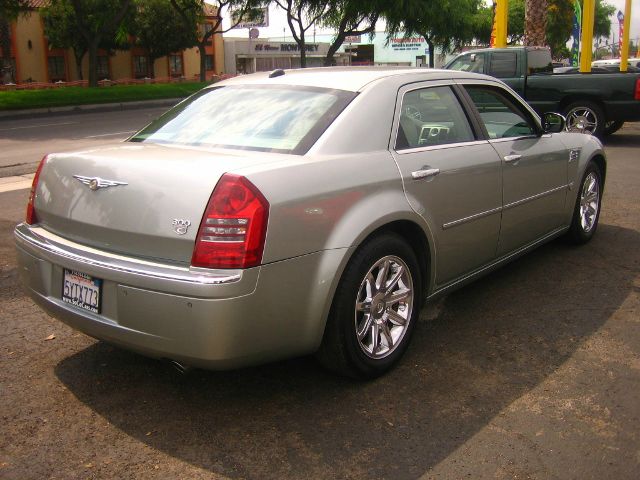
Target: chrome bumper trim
(39, 239)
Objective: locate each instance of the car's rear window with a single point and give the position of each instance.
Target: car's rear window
(272, 118)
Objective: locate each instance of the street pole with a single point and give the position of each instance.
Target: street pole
(502, 10)
(586, 42)
(624, 55)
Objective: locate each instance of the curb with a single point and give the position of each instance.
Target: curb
(89, 108)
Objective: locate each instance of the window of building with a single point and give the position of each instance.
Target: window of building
(208, 62)
(140, 66)
(57, 70)
(264, 64)
(175, 65)
(103, 67)
(206, 28)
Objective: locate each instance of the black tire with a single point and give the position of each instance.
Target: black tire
(578, 233)
(612, 127)
(579, 111)
(342, 350)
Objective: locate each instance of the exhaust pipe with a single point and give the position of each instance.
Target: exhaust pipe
(181, 368)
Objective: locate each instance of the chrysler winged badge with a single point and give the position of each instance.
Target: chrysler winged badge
(94, 183)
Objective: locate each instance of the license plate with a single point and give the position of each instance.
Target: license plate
(81, 290)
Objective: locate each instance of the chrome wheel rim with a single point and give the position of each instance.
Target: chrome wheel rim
(383, 307)
(583, 120)
(589, 202)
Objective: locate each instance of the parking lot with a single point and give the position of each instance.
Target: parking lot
(530, 372)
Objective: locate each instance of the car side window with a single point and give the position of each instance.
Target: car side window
(503, 65)
(431, 116)
(501, 117)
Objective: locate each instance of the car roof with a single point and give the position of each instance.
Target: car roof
(345, 78)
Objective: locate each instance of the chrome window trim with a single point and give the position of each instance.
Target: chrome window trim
(517, 203)
(512, 139)
(40, 239)
(439, 147)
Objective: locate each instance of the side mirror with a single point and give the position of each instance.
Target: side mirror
(553, 122)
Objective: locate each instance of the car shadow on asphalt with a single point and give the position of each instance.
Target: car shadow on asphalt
(491, 343)
(623, 138)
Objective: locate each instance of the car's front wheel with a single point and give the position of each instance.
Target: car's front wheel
(587, 209)
(374, 310)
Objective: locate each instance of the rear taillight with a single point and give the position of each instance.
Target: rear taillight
(637, 93)
(234, 226)
(31, 212)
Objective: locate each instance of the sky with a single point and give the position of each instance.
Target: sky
(278, 25)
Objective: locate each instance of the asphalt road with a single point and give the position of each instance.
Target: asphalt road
(24, 142)
(531, 372)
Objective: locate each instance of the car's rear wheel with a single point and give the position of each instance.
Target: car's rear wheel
(374, 310)
(612, 126)
(587, 209)
(585, 117)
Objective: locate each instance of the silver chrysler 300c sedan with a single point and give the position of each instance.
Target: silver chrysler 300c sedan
(275, 215)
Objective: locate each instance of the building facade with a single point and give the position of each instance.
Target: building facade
(35, 61)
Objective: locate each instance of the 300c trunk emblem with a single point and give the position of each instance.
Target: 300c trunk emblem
(94, 183)
(181, 226)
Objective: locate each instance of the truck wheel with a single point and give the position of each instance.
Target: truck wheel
(612, 127)
(585, 117)
(375, 309)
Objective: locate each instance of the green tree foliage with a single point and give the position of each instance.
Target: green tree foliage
(160, 31)
(9, 11)
(447, 24)
(350, 17)
(603, 14)
(62, 30)
(100, 21)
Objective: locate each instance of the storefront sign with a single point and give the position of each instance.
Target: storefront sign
(411, 43)
(284, 47)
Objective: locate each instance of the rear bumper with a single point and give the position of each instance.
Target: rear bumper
(216, 319)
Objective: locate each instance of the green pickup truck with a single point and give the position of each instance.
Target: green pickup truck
(597, 103)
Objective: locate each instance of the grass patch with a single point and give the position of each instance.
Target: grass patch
(66, 96)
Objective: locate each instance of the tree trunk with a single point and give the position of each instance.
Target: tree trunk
(303, 51)
(93, 63)
(79, 56)
(329, 61)
(203, 61)
(432, 52)
(535, 24)
(6, 66)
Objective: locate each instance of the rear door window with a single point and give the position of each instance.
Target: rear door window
(432, 116)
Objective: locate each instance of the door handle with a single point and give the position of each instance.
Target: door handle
(512, 158)
(430, 172)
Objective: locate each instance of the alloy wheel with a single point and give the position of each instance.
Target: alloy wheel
(589, 202)
(383, 307)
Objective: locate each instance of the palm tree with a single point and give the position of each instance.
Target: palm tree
(535, 24)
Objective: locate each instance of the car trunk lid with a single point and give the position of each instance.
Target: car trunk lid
(142, 200)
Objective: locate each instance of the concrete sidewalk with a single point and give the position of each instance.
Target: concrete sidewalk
(89, 108)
